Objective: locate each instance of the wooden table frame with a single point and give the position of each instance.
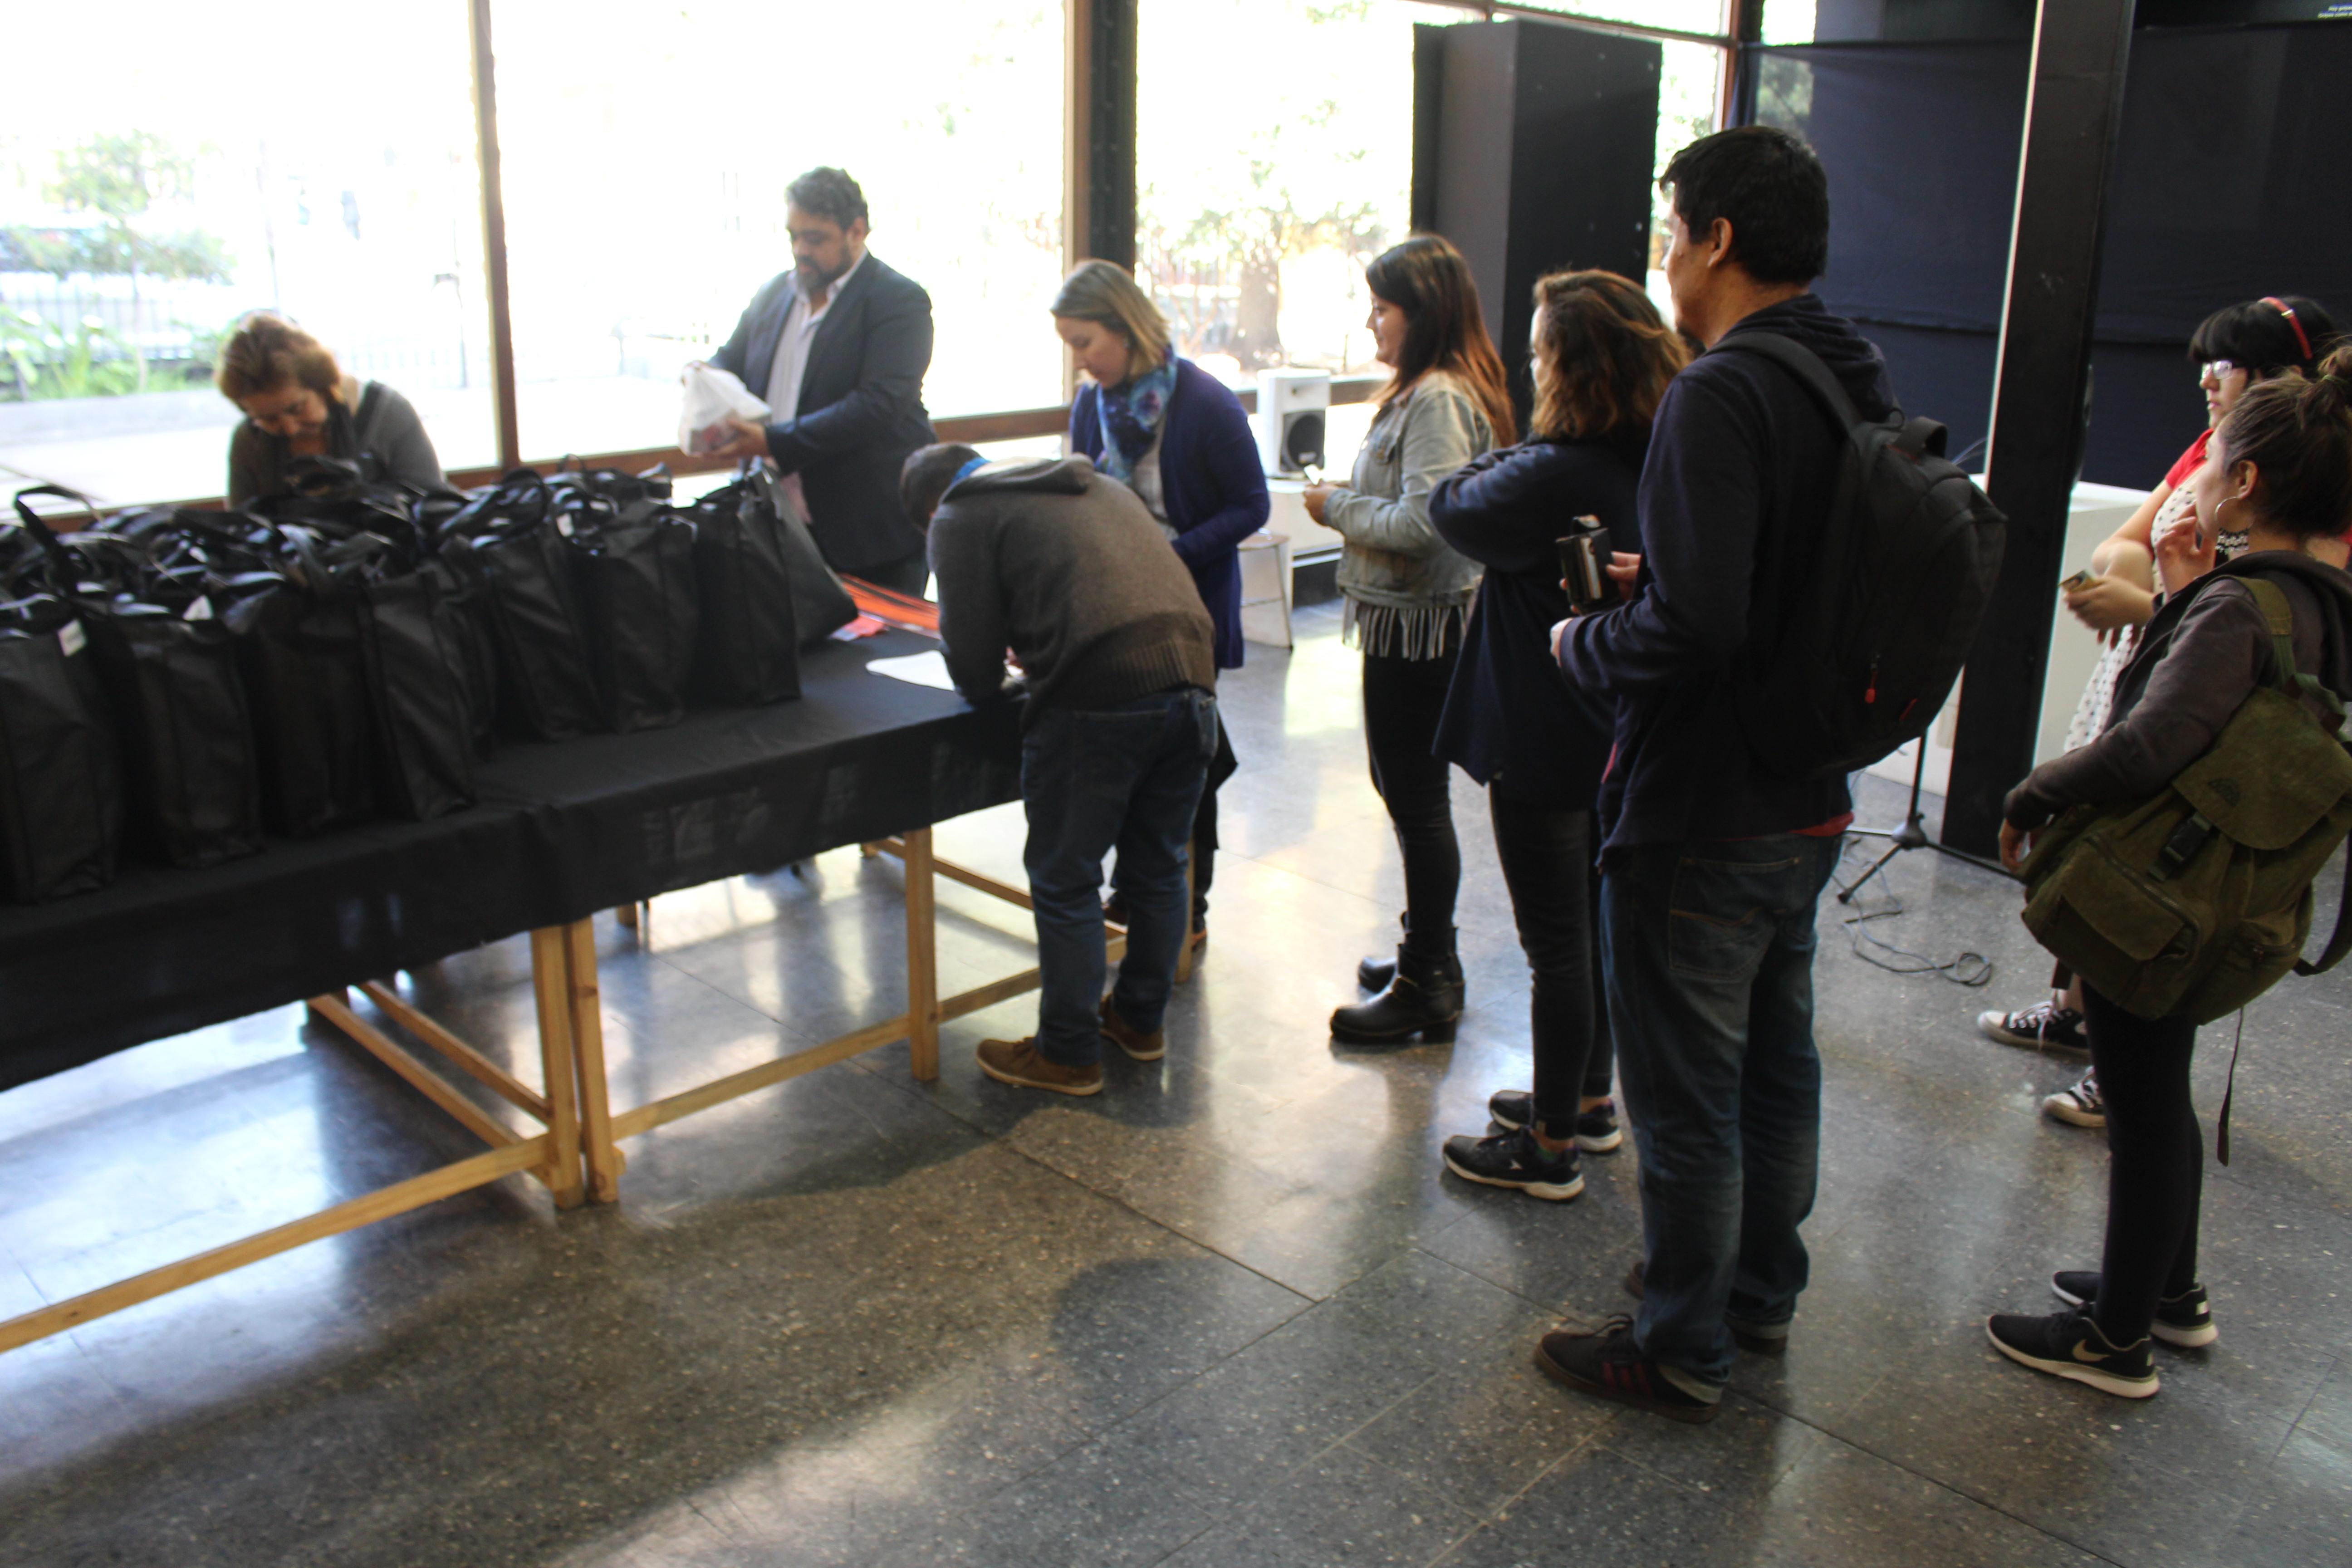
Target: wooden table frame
(577, 1156)
(570, 1030)
(919, 1025)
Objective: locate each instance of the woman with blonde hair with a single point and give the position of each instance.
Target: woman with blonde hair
(1406, 599)
(297, 402)
(1602, 358)
(1177, 437)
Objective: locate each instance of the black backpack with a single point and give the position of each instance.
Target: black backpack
(1881, 614)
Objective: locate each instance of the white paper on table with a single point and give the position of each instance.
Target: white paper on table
(926, 668)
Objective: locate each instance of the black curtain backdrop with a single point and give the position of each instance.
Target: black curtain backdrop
(2225, 190)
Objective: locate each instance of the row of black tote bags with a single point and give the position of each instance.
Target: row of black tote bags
(181, 679)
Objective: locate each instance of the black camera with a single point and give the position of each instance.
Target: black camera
(1583, 553)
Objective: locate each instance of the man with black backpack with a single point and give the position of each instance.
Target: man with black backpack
(1714, 857)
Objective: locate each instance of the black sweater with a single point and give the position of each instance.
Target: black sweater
(1741, 465)
(1510, 721)
(1067, 570)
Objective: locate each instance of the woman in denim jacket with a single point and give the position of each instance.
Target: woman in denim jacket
(1407, 597)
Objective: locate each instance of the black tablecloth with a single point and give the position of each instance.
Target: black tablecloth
(562, 830)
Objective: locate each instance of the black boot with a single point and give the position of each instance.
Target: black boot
(1423, 997)
(1373, 974)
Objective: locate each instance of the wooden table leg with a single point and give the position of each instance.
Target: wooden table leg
(549, 985)
(922, 958)
(585, 1010)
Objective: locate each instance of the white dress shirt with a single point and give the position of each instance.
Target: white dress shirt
(792, 360)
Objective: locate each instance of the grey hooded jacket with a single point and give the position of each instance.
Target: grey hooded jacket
(1408, 591)
(1067, 570)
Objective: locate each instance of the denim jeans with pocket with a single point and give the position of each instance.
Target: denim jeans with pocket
(1126, 778)
(1710, 952)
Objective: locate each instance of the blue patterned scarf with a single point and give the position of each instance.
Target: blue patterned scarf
(1131, 417)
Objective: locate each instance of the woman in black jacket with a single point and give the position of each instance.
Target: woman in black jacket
(2278, 470)
(1602, 359)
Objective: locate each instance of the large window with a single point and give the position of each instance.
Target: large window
(644, 189)
(1261, 195)
(190, 163)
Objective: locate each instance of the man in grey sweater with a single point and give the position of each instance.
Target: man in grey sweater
(1068, 572)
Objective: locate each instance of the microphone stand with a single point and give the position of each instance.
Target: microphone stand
(1912, 834)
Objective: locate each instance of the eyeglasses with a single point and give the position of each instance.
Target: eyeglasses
(2217, 370)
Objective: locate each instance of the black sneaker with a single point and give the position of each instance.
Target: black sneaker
(2069, 1344)
(1610, 1365)
(2044, 1026)
(2186, 1320)
(1512, 1107)
(2079, 1106)
(1597, 1132)
(1758, 1339)
(1513, 1158)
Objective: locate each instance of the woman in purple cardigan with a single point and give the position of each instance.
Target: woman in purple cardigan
(1171, 433)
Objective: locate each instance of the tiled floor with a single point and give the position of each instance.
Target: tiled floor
(1228, 1312)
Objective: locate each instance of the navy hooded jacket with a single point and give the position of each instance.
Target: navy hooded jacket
(1741, 466)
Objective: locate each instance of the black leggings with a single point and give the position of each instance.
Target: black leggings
(2156, 1163)
(1402, 699)
(1547, 855)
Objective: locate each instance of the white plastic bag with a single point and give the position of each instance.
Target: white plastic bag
(712, 398)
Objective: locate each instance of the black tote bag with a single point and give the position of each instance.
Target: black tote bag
(180, 709)
(821, 605)
(413, 639)
(60, 770)
(748, 653)
(640, 611)
(169, 676)
(545, 691)
(461, 597)
(306, 680)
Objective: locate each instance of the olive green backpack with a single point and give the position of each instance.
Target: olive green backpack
(2194, 902)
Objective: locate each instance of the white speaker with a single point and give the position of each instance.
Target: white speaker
(1291, 407)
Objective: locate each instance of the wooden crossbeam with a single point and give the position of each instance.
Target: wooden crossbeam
(382, 1203)
(497, 1079)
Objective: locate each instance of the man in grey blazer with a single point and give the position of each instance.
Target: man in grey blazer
(838, 346)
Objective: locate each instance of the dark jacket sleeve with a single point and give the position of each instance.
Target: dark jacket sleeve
(2220, 652)
(973, 624)
(1503, 509)
(249, 464)
(1225, 453)
(1702, 514)
(735, 352)
(1086, 423)
(401, 446)
(895, 353)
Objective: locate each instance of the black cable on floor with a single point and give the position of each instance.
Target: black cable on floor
(1973, 969)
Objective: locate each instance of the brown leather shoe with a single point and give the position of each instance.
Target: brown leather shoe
(1143, 1047)
(1021, 1065)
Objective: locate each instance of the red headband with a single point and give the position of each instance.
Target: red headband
(2288, 311)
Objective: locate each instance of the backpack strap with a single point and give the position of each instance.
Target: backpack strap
(2280, 616)
(1805, 365)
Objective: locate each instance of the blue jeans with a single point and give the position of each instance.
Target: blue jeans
(1709, 953)
(1126, 778)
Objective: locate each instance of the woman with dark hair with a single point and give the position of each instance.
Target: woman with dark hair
(2235, 348)
(1602, 358)
(2278, 473)
(297, 402)
(1407, 597)
(1177, 437)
